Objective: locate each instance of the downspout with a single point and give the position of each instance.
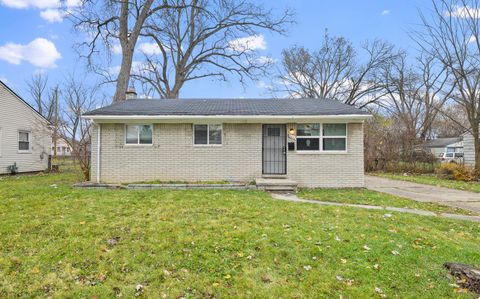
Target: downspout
(98, 152)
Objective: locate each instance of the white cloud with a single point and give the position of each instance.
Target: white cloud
(249, 43)
(385, 12)
(52, 10)
(136, 67)
(263, 85)
(465, 12)
(40, 52)
(52, 15)
(116, 49)
(472, 39)
(41, 4)
(266, 60)
(149, 48)
(73, 3)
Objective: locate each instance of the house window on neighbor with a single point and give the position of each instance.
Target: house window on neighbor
(334, 137)
(138, 134)
(210, 134)
(23, 141)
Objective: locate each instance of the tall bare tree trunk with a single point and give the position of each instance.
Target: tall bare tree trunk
(124, 76)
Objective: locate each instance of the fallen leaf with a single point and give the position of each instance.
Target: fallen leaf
(82, 222)
(307, 267)
(343, 261)
(366, 247)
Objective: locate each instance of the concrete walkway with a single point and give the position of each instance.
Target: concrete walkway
(425, 193)
(292, 197)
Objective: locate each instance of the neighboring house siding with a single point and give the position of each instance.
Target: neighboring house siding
(468, 149)
(174, 157)
(16, 116)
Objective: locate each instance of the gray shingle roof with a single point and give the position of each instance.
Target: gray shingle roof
(442, 142)
(228, 107)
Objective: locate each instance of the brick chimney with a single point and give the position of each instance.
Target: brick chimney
(130, 94)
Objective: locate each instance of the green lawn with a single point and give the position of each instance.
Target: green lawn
(368, 197)
(430, 179)
(209, 243)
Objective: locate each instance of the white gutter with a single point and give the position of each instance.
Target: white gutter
(98, 152)
(236, 117)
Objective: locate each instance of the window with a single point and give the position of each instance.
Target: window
(322, 137)
(207, 134)
(23, 141)
(334, 137)
(138, 134)
(308, 137)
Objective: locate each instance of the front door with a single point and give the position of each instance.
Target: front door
(274, 149)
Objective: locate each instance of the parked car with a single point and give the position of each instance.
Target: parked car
(451, 157)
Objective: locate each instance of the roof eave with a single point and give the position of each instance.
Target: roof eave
(257, 118)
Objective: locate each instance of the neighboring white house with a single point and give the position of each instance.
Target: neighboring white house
(444, 145)
(63, 148)
(469, 149)
(25, 136)
(313, 142)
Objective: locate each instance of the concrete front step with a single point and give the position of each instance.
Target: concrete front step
(277, 184)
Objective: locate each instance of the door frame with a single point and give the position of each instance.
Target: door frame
(263, 149)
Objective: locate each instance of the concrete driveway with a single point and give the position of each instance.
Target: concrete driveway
(426, 193)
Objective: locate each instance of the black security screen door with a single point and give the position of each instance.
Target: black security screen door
(274, 149)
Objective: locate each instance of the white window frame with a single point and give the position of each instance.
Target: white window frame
(138, 135)
(321, 137)
(29, 134)
(208, 135)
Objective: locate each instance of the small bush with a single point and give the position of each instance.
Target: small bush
(454, 171)
(410, 167)
(12, 169)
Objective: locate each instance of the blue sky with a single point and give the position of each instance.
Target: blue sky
(34, 38)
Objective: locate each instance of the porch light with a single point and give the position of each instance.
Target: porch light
(291, 131)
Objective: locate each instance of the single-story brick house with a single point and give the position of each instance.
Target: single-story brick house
(315, 142)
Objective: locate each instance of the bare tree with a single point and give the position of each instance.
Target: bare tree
(336, 71)
(79, 98)
(47, 103)
(451, 121)
(451, 34)
(416, 94)
(110, 21)
(206, 39)
(37, 87)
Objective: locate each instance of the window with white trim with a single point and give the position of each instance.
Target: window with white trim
(322, 137)
(334, 137)
(308, 137)
(210, 134)
(138, 134)
(23, 141)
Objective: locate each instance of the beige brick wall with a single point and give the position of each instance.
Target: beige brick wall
(173, 157)
(330, 170)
